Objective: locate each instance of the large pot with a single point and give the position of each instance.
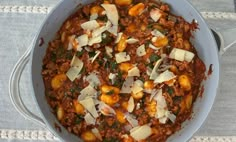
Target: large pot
(204, 42)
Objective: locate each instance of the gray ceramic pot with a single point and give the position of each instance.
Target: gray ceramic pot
(204, 42)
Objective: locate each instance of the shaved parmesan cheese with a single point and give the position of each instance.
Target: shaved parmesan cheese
(157, 33)
(153, 47)
(122, 57)
(93, 16)
(89, 119)
(134, 72)
(112, 15)
(127, 85)
(95, 40)
(76, 62)
(154, 73)
(141, 132)
(93, 80)
(141, 50)
(132, 40)
(171, 116)
(113, 30)
(112, 77)
(130, 107)
(165, 76)
(153, 94)
(97, 54)
(118, 37)
(88, 91)
(70, 46)
(188, 56)
(89, 105)
(99, 31)
(181, 55)
(106, 109)
(132, 121)
(90, 25)
(163, 120)
(155, 14)
(136, 88)
(96, 133)
(73, 73)
(109, 51)
(82, 40)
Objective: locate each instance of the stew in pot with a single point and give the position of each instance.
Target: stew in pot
(123, 70)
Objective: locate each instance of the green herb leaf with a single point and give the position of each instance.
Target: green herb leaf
(154, 58)
(170, 90)
(111, 92)
(53, 57)
(78, 54)
(79, 119)
(113, 66)
(106, 38)
(92, 54)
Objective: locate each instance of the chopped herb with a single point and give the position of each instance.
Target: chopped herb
(92, 54)
(103, 18)
(154, 57)
(113, 66)
(53, 57)
(111, 139)
(111, 92)
(78, 119)
(83, 70)
(147, 43)
(170, 90)
(69, 55)
(106, 38)
(78, 54)
(100, 62)
(149, 26)
(150, 65)
(72, 90)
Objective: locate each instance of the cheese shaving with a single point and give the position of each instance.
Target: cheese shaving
(141, 50)
(96, 133)
(122, 57)
(112, 77)
(130, 107)
(89, 105)
(89, 119)
(181, 55)
(141, 132)
(88, 91)
(154, 72)
(73, 73)
(95, 57)
(132, 121)
(112, 15)
(132, 40)
(109, 51)
(155, 14)
(90, 25)
(93, 80)
(157, 33)
(118, 37)
(165, 76)
(134, 72)
(127, 85)
(95, 40)
(82, 41)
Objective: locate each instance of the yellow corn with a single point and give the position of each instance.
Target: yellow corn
(110, 99)
(136, 9)
(138, 95)
(151, 108)
(110, 90)
(148, 84)
(122, 44)
(58, 80)
(120, 116)
(184, 82)
(60, 112)
(161, 42)
(79, 109)
(123, 2)
(96, 10)
(188, 101)
(88, 136)
(125, 67)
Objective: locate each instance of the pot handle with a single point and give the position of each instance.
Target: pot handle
(14, 90)
(225, 38)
